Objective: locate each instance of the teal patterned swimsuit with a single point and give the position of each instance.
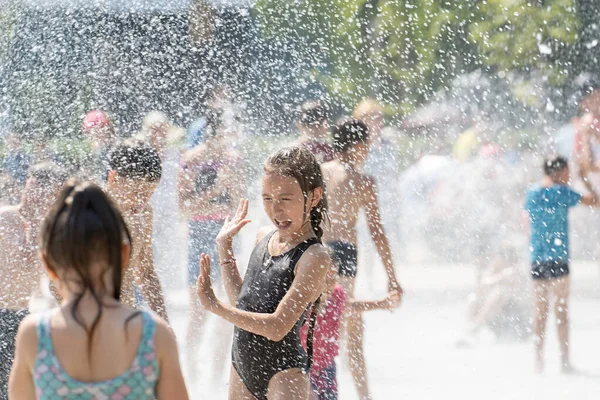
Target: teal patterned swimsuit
(137, 383)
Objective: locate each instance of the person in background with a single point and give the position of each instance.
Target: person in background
(548, 204)
(313, 126)
(10, 190)
(350, 190)
(16, 160)
(20, 268)
(135, 170)
(382, 163)
(370, 111)
(168, 241)
(98, 127)
(210, 184)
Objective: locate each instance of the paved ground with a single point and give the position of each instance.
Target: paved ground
(412, 352)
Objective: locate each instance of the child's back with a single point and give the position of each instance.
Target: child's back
(548, 209)
(92, 347)
(346, 187)
(123, 360)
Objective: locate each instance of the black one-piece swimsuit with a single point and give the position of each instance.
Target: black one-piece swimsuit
(268, 278)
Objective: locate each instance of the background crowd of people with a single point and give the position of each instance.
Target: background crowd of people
(141, 202)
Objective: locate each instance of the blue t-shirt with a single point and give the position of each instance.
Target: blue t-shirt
(548, 210)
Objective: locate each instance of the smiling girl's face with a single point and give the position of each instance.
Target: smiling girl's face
(284, 203)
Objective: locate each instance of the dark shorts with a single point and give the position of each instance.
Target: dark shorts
(202, 236)
(549, 269)
(9, 325)
(324, 383)
(345, 257)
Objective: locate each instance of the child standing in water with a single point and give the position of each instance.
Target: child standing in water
(93, 346)
(350, 191)
(135, 170)
(285, 276)
(548, 205)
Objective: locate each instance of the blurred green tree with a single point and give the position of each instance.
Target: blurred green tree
(402, 51)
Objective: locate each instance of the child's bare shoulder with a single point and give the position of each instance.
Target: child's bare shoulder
(317, 253)
(27, 334)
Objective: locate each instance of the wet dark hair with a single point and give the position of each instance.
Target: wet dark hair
(299, 163)
(554, 165)
(347, 133)
(83, 227)
(136, 159)
(48, 174)
(313, 113)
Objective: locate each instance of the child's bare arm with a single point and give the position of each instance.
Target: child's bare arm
(371, 205)
(586, 159)
(20, 384)
(306, 288)
(151, 288)
(170, 383)
(389, 303)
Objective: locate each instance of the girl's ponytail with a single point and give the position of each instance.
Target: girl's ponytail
(317, 215)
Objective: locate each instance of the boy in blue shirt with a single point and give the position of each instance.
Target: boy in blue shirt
(548, 205)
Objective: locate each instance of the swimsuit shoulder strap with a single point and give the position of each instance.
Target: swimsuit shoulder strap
(43, 333)
(301, 249)
(263, 246)
(146, 353)
(148, 333)
(311, 333)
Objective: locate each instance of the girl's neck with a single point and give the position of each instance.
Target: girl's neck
(87, 302)
(284, 242)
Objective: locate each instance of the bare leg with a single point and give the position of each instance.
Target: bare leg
(237, 389)
(291, 384)
(354, 330)
(561, 310)
(540, 315)
(196, 322)
(358, 366)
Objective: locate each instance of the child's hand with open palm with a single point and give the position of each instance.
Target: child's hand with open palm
(232, 226)
(204, 288)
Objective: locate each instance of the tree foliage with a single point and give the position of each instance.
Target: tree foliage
(402, 51)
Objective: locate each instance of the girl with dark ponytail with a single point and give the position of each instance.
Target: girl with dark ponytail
(93, 345)
(284, 280)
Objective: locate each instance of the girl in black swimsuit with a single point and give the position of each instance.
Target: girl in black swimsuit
(285, 278)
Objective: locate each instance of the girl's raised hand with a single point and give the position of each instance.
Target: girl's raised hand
(204, 285)
(232, 226)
